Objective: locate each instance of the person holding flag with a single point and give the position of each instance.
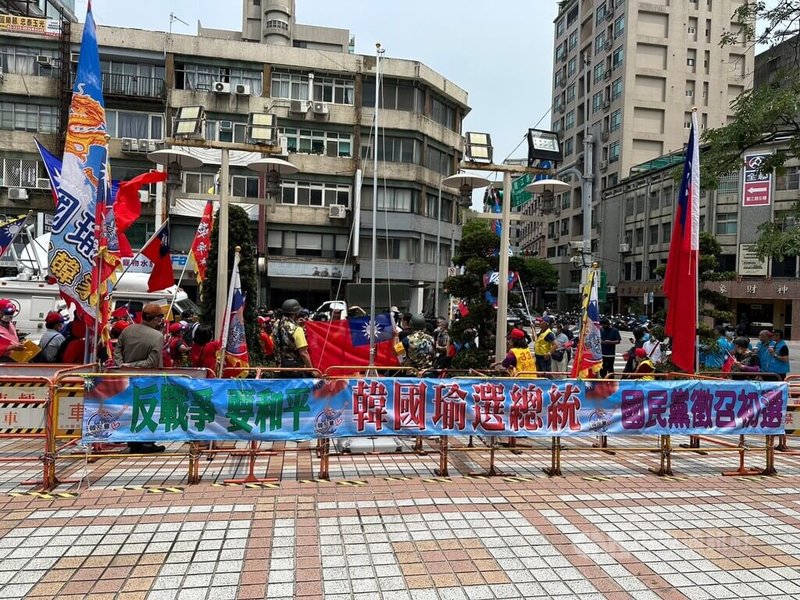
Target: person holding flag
(680, 281)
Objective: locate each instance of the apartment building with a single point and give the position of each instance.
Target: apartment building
(627, 73)
(323, 96)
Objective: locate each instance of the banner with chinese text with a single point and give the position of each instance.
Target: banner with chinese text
(177, 408)
(757, 186)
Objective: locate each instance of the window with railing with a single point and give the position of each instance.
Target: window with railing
(189, 76)
(24, 60)
(25, 116)
(132, 79)
(132, 124)
(311, 141)
(23, 172)
(304, 193)
(729, 184)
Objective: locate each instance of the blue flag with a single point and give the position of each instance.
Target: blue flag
(74, 237)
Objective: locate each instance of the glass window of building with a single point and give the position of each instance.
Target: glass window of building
(617, 57)
(573, 39)
(25, 116)
(600, 14)
(597, 102)
(619, 26)
(311, 141)
(600, 42)
(190, 76)
(572, 66)
(334, 90)
(789, 180)
(314, 194)
(569, 122)
(726, 223)
(132, 124)
(571, 92)
(292, 86)
(599, 71)
(616, 89)
(22, 60)
(615, 122)
(729, 184)
(613, 152)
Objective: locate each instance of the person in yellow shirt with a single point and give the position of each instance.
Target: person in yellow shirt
(519, 361)
(644, 365)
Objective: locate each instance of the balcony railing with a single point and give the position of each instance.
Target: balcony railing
(133, 86)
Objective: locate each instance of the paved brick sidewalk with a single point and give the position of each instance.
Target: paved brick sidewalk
(467, 538)
(606, 530)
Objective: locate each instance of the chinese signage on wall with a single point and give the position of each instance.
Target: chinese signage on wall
(757, 190)
(749, 263)
(19, 24)
(174, 408)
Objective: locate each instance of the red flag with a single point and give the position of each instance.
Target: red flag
(128, 207)
(680, 282)
(202, 242)
(157, 250)
(346, 343)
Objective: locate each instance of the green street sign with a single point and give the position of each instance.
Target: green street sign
(518, 194)
(602, 289)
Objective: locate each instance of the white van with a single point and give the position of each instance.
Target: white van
(35, 298)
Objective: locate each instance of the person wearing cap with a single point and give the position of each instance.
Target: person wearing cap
(140, 345)
(644, 364)
(519, 361)
(544, 346)
(9, 340)
(52, 338)
(177, 348)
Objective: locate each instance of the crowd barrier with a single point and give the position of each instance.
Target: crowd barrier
(48, 400)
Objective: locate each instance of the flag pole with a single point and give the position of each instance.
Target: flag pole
(226, 323)
(587, 292)
(178, 285)
(696, 262)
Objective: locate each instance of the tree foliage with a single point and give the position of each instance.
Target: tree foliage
(780, 238)
(765, 114)
(239, 234)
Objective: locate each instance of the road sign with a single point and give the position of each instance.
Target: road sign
(518, 194)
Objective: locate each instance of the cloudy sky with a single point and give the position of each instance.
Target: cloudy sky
(500, 52)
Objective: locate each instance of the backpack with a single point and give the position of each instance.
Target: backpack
(39, 358)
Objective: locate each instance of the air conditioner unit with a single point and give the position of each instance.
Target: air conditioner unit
(603, 165)
(319, 108)
(221, 87)
(43, 183)
(624, 248)
(43, 61)
(337, 211)
(144, 196)
(298, 107)
(146, 145)
(74, 56)
(225, 126)
(17, 194)
(241, 89)
(612, 289)
(283, 142)
(130, 145)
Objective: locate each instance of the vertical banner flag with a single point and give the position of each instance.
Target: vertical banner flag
(589, 354)
(237, 360)
(757, 186)
(157, 250)
(346, 342)
(9, 232)
(680, 282)
(73, 240)
(202, 243)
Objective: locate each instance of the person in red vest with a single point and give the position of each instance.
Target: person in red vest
(204, 351)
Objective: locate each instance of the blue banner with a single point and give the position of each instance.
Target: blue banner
(157, 408)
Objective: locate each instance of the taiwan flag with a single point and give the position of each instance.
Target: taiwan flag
(346, 343)
(237, 359)
(157, 250)
(680, 281)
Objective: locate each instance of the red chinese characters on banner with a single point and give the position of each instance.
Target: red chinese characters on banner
(562, 413)
(409, 405)
(526, 408)
(490, 400)
(450, 407)
(369, 404)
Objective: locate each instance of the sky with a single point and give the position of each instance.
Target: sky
(499, 51)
